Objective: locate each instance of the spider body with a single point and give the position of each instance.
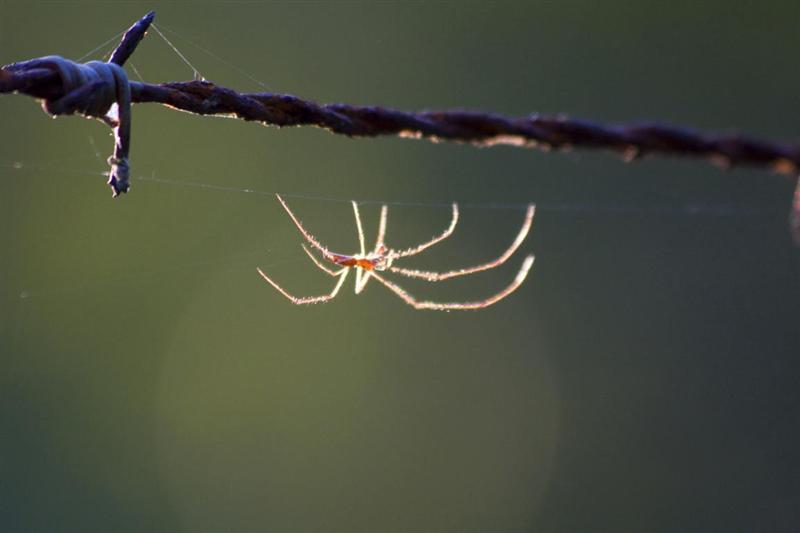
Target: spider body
(370, 262)
(381, 259)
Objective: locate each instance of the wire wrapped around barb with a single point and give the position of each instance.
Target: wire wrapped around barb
(92, 89)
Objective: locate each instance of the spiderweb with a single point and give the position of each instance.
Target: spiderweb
(103, 51)
(654, 347)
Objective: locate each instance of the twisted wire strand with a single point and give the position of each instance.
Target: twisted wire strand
(43, 80)
(472, 127)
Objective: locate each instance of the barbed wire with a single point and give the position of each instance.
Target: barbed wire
(48, 80)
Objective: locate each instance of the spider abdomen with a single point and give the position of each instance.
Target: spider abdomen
(351, 261)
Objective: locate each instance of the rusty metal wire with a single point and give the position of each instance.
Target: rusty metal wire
(472, 127)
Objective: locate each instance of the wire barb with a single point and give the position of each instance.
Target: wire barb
(89, 89)
(131, 39)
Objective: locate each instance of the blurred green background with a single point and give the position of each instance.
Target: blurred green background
(644, 378)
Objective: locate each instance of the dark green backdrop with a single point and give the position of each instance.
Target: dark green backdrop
(643, 379)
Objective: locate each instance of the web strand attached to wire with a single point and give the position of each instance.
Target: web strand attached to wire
(693, 209)
(136, 71)
(100, 46)
(222, 60)
(197, 74)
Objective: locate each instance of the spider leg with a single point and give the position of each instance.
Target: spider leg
(480, 304)
(310, 238)
(360, 229)
(439, 238)
(362, 277)
(439, 276)
(381, 228)
(319, 263)
(308, 299)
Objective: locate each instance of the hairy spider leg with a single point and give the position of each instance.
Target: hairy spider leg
(439, 276)
(319, 263)
(310, 238)
(362, 276)
(381, 229)
(342, 273)
(480, 304)
(439, 238)
(360, 228)
(310, 299)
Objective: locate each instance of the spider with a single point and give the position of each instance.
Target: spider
(381, 258)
